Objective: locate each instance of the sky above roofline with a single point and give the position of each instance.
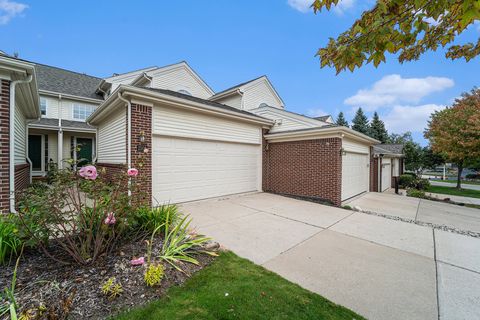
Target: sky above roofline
(227, 44)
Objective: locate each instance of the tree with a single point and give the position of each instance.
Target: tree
(455, 131)
(400, 138)
(341, 120)
(377, 129)
(360, 122)
(407, 27)
(430, 159)
(413, 156)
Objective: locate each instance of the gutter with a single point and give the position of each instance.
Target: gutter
(12, 140)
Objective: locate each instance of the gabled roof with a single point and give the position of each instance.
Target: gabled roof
(237, 87)
(133, 72)
(297, 116)
(325, 118)
(59, 80)
(388, 148)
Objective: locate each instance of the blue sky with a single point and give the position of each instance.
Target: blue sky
(228, 42)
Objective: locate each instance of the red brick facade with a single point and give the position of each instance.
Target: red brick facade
(112, 169)
(22, 176)
(142, 150)
(309, 168)
(4, 146)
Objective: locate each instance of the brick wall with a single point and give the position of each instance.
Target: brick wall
(112, 169)
(22, 176)
(310, 168)
(142, 151)
(4, 145)
(374, 163)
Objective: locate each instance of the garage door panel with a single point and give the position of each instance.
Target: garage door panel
(187, 169)
(386, 174)
(355, 174)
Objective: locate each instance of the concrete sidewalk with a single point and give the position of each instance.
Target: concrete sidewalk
(380, 268)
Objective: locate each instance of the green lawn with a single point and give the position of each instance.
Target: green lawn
(455, 181)
(454, 191)
(235, 288)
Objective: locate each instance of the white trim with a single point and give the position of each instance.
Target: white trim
(320, 133)
(86, 109)
(69, 96)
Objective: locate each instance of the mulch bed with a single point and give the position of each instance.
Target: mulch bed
(51, 290)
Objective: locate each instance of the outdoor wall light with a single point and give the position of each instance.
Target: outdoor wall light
(343, 152)
(141, 137)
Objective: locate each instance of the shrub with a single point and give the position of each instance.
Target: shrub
(406, 180)
(150, 219)
(472, 176)
(10, 242)
(154, 274)
(416, 193)
(421, 184)
(85, 213)
(111, 288)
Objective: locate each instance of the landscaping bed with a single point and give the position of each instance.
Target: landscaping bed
(51, 290)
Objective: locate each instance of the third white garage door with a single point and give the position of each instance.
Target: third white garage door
(354, 174)
(189, 169)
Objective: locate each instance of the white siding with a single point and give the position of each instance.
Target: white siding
(187, 124)
(67, 108)
(354, 146)
(52, 107)
(289, 121)
(53, 147)
(232, 101)
(19, 134)
(63, 108)
(112, 138)
(67, 147)
(258, 92)
(179, 79)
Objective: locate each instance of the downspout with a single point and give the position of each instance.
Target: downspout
(129, 137)
(12, 141)
(27, 149)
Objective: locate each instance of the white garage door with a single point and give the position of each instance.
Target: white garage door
(354, 174)
(386, 174)
(189, 169)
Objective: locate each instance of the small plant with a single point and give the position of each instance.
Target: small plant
(8, 296)
(416, 193)
(154, 274)
(347, 207)
(421, 184)
(10, 241)
(111, 288)
(150, 219)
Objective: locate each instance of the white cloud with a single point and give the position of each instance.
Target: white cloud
(316, 112)
(393, 89)
(305, 5)
(9, 10)
(409, 118)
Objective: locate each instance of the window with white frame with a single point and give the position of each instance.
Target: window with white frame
(43, 106)
(82, 112)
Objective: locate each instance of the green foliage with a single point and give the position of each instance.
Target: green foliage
(8, 302)
(360, 122)
(430, 159)
(406, 181)
(413, 156)
(10, 242)
(472, 176)
(341, 120)
(377, 129)
(154, 274)
(111, 288)
(421, 184)
(408, 28)
(416, 193)
(400, 138)
(150, 219)
(180, 245)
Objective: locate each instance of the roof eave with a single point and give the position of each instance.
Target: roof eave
(313, 133)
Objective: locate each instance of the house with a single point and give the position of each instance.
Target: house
(19, 104)
(387, 164)
(189, 142)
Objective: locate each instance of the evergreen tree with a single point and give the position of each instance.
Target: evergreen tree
(341, 120)
(377, 129)
(360, 122)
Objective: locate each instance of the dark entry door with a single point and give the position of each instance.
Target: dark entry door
(84, 151)
(35, 151)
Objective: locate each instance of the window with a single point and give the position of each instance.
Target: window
(82, 112)
(184, 92)
(43, 106)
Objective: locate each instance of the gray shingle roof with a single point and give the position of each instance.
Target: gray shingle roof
(207, 102)
(237, 86)
(67, 82)
(388, 148)
(322, 118)
(65, 124)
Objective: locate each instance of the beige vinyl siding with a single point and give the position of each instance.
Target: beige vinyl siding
(354, 146)
(177, 79)
(19, 134)
(53, 147)
(67, 147)
(289, 121)
(67, 108)
(187, 124)
(259, 92)
(232, 101)
(52, 107)
(112, 138)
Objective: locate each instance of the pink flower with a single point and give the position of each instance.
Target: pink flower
(132, 172)
(110, 219)
(137, 262)
(88, 172)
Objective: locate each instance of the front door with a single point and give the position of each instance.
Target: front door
(84, 151)
(35, 151)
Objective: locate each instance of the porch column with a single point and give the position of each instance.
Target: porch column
(60, 149)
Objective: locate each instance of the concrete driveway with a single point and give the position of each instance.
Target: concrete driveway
(378, 267)
(434, 212)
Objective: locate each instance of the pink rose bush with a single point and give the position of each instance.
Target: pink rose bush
(132, 172)
(88, 172)
(110, 219)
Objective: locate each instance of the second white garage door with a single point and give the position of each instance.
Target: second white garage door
(386, 173)
(188, 169)
(354, 174)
